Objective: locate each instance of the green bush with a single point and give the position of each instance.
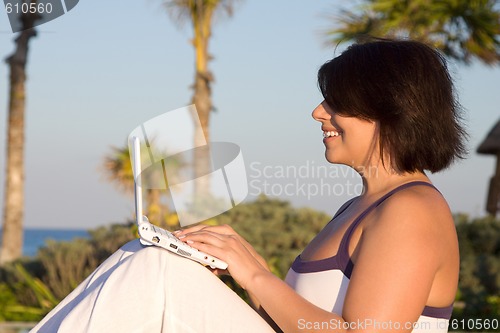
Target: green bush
(30, 288)
(479, 284)
(27, 298)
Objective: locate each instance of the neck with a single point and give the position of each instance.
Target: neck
(378, 179)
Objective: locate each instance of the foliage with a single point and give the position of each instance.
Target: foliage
(106, 240)
(197, 10)
(7, 299)
(479, 285)
(40, 298)
(45, 299)
(117, 168)
(29, 289)
(66, 264)
(461, 29)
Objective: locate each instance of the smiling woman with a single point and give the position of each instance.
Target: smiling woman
(388, 108)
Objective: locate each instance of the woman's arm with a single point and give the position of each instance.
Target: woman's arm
(229, 231)
(409, 239)
(282, 303)
(397, 257)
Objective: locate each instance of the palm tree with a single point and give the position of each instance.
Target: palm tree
(200, 14)
(13, 215)
(117, 168)
(462, 29)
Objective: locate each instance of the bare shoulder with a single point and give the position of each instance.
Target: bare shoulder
(421, 206)
(419, 215)
(411, 235)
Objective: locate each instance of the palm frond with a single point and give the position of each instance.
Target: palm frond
(461, 29)
(182, 11)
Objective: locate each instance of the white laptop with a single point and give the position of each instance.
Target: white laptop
(152, 235)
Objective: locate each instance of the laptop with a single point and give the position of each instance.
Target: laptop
(150, 234)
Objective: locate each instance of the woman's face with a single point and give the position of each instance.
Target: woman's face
(348, 140)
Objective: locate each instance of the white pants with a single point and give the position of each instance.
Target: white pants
(148, 289)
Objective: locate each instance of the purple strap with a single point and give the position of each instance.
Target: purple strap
(444, 313)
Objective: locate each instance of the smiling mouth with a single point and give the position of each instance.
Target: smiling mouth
(327, 134)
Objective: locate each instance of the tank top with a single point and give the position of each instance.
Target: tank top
(324, 282)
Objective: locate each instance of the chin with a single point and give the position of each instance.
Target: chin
(336, 159)
(332, 158)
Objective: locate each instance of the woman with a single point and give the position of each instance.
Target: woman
(387, 262)
(390, 256)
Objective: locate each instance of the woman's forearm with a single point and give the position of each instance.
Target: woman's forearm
(290, 311)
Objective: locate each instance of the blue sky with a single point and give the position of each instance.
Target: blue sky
(105, 67)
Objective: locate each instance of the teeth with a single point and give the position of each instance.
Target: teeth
(330, 133)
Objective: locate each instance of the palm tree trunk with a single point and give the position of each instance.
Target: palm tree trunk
(12, 234)
(202, 97)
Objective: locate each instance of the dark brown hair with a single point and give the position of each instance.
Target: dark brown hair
(406, 87)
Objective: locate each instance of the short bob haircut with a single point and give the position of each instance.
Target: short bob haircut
(405, 87)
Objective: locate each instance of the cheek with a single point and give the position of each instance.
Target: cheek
(359, 143)
(366, 144)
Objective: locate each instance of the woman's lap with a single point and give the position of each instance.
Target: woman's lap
(148, 289)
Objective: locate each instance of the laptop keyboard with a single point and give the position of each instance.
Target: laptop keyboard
(176, 245)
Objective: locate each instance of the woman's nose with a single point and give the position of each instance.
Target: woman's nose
(320, 114)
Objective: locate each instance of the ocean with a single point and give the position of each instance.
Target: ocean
(34, 238)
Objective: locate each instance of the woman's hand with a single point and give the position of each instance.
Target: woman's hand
(224, 243)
